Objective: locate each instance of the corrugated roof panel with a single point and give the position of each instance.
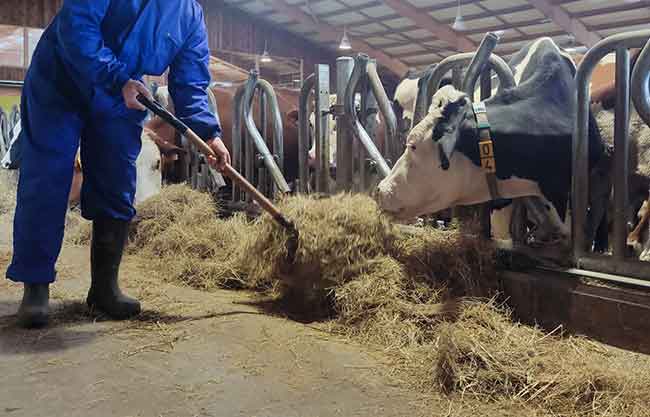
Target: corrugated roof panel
(419, 34)
(527, 15)
(354, 3)
(257, 7)
(482, 23)
(378, 11)
(450, 13)
(579, 6)
(540, 29)
(404, 49)
(502, 4)
(322, 7)
(345, 18)
(279, 18)
(369, 28)
(421, 3)
(398, 23)
(609, 32)
(383, 40)
(617, 17)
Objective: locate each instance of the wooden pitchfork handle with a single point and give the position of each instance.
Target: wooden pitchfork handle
(206, 150)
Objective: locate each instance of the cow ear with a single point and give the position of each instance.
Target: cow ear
(447, 130)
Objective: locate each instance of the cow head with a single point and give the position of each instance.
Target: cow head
(432, 174)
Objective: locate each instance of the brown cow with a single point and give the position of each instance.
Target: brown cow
(603, 100)
(287, 101)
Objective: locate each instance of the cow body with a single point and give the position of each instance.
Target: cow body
(531, 127)
(287, 102)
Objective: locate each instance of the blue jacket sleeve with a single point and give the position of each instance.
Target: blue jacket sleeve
(81, 40)
(189, 77)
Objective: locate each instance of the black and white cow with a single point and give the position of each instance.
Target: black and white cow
(531, 127)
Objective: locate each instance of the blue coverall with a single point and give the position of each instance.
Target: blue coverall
(72, 92)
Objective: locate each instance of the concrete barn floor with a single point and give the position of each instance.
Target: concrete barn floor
(190, 354)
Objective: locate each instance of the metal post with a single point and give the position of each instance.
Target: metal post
(370, 109)
(385, 106)
(321, 118)
(238, 144)
(486, 92)
(580, 168)
(26, 47)
(622, 150)
(344, 67)
(263, 185)
(457, 77)
(303, 133)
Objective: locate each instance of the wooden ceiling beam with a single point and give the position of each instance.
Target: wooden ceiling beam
(561, 18)
(329, 33)
(437, 29)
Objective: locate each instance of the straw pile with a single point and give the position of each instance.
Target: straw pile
(412, 294)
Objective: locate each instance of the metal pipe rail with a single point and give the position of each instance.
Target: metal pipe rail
(360, 69)
(641, 84)
(386, 109)
(479, 62)
(425, 93)
(274, 168)
(303, 133)
(581, 226)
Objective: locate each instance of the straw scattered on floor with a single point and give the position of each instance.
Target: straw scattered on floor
(418, 294)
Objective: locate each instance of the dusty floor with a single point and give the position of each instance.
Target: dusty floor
(190, 354)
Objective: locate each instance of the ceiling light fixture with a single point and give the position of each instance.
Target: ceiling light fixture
(459, 22)
(266, 57)
(345, 44)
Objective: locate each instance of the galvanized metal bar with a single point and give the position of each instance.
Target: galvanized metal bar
(486, 83)
(303, 133)
(237, 140)
(385, 106)
(479, 62)
(360, 68)
(580, 151)
(322, 104)
(627, 268)
(503, 71)
(344, 67)
(641, 84)
(263, 185)
(457, 78)
(280, 184)
(370, 108)
(622, 150)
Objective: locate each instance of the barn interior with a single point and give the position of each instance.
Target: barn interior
(307, 293)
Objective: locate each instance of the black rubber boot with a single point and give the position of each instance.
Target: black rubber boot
(108, 240)
(34, 309)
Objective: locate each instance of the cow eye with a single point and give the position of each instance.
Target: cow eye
(412, 146)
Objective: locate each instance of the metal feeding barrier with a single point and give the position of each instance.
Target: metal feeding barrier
(638, 90)
(357, 84)
(251, 154)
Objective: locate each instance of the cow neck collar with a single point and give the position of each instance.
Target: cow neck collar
(486, 148)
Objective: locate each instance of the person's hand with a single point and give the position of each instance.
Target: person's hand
(130, 93)
(223, 156)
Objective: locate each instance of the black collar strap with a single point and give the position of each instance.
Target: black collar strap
(486, 148)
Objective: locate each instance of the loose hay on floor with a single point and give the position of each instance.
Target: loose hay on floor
(408, 293)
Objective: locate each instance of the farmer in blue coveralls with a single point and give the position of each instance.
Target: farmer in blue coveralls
(82, 86)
